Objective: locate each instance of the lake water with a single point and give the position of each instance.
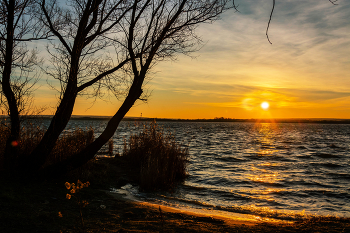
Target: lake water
(279, 170)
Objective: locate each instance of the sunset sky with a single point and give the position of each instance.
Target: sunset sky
(305, 73)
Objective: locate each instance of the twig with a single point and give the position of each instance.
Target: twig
(268, 25)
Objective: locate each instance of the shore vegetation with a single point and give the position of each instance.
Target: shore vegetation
(160, 161)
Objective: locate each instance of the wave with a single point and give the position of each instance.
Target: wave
(326, 156)
(243, 209)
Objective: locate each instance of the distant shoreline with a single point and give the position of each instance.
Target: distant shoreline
(221, 119)
(317, 121)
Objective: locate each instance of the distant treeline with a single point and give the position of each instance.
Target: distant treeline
(221, 119)
(216, 119)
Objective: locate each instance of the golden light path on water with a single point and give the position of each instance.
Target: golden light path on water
(262, 173)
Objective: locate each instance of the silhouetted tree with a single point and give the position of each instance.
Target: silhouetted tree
(17, 62)
(140, 33)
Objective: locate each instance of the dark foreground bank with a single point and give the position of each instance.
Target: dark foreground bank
(43, 206)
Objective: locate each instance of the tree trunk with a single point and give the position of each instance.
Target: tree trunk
(11, 152)
(58, 123)
(65, 109)
(90, 151)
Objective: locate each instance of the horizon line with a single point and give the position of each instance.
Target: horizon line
(215, 118)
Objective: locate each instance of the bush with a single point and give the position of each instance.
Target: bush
(159, 159)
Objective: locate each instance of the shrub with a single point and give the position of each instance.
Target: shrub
(159, 159)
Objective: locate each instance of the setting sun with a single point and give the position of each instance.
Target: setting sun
(265, 105)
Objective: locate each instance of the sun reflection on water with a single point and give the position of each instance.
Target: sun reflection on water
(265, 177)
(263, 171)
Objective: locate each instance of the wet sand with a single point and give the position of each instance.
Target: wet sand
(227, 217)
(149, 217)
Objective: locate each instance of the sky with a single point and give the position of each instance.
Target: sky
(304, 73)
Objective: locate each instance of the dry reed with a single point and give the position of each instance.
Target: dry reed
(160, 160)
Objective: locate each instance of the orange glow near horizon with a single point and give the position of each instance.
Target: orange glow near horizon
(180, 106)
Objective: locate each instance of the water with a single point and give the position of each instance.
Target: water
(282, 170)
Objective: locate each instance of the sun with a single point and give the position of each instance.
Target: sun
(265, 105)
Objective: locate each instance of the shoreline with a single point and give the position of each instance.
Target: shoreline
(235, 218)
(163, 218)
(228, 217)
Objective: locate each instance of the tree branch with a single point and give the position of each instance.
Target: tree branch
(99, 77)
(130, 39)
(54, 31)
(268, 24)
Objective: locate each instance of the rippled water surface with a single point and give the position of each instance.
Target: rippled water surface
(259, 168)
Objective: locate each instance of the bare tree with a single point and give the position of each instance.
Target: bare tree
(140, 33)
(157, 30)
(16, 63)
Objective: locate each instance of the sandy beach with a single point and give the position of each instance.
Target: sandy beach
(160, 218)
